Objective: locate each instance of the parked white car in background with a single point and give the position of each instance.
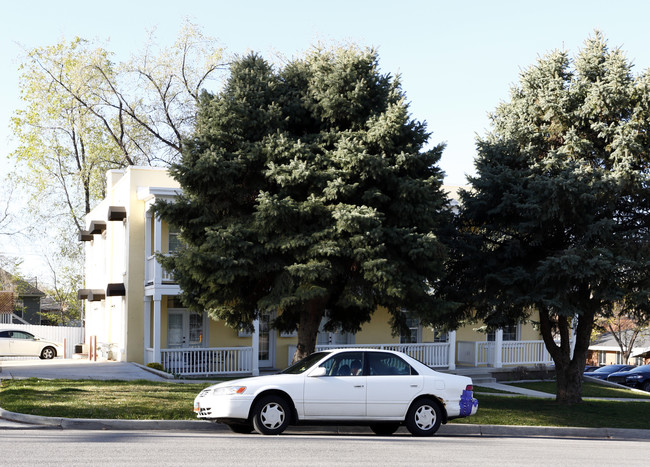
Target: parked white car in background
(378, 388)
(22, 343)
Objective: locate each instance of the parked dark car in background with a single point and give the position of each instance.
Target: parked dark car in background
(638, 377)
(590, 368)
(604, 371)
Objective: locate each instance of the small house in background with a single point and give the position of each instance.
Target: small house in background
(20, 300)
(50, 308)
(606, 351)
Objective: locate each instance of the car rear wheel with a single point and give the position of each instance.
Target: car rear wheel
(646, 386)
(48, 353)
(271, 415)
(423, 418)
(384, 429)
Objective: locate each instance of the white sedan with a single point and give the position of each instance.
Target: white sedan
(23, 343)
(378, 388)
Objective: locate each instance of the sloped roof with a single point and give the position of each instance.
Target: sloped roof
(607, 342)
(22, 288)
(49, 304)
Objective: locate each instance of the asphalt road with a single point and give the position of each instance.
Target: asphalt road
(73, 447)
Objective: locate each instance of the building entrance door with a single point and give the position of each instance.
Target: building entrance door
(185, 329)
(266, 341)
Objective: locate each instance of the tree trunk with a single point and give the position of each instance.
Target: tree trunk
(568, 370)
(308, 324)
(569, 383)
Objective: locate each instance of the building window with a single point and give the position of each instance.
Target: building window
(602, 357)
(440, 336)
(174, 241)
(510, 333)
(413, 335)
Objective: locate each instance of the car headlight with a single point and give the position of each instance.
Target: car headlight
(228, 390)
(635, 377)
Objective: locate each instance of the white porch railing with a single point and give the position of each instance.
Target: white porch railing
(212, 361)
(155, 274)
(512, 353)
(431, 354)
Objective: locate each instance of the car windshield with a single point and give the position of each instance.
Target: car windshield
(304, 364)
(640, 369)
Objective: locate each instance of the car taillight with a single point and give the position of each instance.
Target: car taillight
(469, 387)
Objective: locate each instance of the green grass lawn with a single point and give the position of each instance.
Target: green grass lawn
(127, 400)
(498, 410)
(148, 400)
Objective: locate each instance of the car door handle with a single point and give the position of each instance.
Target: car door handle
(358, 385)
(415, 385)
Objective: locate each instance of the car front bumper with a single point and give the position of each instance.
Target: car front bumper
(223, 407)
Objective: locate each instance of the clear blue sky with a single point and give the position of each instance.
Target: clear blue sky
(457, 59)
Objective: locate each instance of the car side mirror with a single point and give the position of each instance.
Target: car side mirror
(320, 371)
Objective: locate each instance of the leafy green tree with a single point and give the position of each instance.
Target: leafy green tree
(307, 192)
(556, 219)
(84, 114)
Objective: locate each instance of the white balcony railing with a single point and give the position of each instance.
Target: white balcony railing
(431, 354)
(212, 361)
(155, 274)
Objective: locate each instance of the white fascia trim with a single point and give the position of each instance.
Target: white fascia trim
(145, 193)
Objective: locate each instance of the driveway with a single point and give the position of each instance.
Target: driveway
(73, 369)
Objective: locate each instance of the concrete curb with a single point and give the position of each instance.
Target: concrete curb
(35, 421)
(109, 424)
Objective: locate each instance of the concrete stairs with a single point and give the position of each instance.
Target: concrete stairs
(478, 375)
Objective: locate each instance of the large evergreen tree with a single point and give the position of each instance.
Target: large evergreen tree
(556, 220)
(307, 192)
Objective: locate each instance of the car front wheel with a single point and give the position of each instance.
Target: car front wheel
(646, 386)
(423, 418)
(241, 428)
(271, 415)
(48, 353)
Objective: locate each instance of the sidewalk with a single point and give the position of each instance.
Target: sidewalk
(516, 390)
(59, 368)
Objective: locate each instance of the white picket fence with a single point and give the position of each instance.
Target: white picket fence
(60, 334)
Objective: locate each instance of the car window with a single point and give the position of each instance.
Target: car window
(344, 364)
(22, 335)
(380, 363)
(5, 334)
(304, 364)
